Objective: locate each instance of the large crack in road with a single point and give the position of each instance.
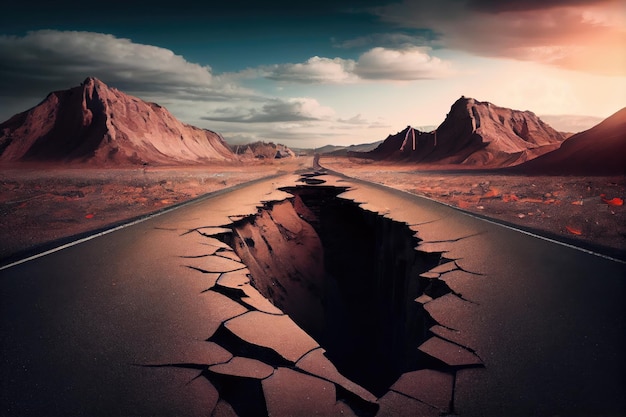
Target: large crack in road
(297, 296)
(355, 282)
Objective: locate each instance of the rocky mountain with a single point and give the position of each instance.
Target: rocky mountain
(474, 133)
(600, 150)
(340, 150)
(97, 124)
(264, 150)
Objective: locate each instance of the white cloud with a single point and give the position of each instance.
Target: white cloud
(299, 109)
(405, 65)
(315, 70)
(387, 40)
(571, 123)
(354, 120)
(39, 62)
(583, 35)
(33, 65)
(47, 60)
(379, 63)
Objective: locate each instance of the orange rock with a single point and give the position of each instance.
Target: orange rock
(507, 198)
(613, 202)
(574, 230)
(492, 193)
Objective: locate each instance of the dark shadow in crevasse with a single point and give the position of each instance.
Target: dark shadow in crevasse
(371, 325)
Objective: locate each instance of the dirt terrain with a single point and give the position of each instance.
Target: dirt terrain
(586, 211)
(39, 205)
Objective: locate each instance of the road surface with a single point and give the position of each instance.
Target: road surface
(118, 324)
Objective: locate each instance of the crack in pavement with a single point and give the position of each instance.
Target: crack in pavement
(255, 335)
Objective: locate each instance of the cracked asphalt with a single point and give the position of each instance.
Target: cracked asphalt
(160, 318)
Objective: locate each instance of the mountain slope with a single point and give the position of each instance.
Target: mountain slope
(264, 150)
(98, 124)
(600, 150)
(347, 149)
(474, 133)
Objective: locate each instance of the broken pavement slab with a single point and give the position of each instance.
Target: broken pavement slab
(451, 311)
(212, 231)
(458, 337)
(228, 254)
(234, 279)
(316, 363)
(465, 284)
(244, 368)
(444, 267)
(394, 404)
(428, 386)
(292, 393)
(278, 333)
(423, 299)
(450, 353)
(223, 409)
(256, 301)
(237, 286)
(214, 264)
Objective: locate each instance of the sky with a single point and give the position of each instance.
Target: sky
(308, 74)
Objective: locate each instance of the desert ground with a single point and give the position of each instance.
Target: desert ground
(40, 206)
(584, 211)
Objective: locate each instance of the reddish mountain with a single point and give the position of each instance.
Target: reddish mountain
(264, 150)
(98, 124)
(600, 150)
(474, 133)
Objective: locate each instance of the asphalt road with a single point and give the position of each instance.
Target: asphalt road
(78, 326)
(546, 319)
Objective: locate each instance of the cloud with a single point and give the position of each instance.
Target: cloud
(42, 61)
(582, 35)
(387, 40)
(497, 6)
(315, 70)
(39, 62)
(277, 110)
(309, 136)
(571, 123)
(355, 120)
(392, 64)
(46, 60)
(379, 63)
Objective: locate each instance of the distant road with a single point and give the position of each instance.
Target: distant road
(76, 324)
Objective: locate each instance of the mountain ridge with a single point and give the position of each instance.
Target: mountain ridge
(474, 133)
(600, 150)
(95, 123)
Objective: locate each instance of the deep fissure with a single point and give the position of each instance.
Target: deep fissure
(347, 276)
